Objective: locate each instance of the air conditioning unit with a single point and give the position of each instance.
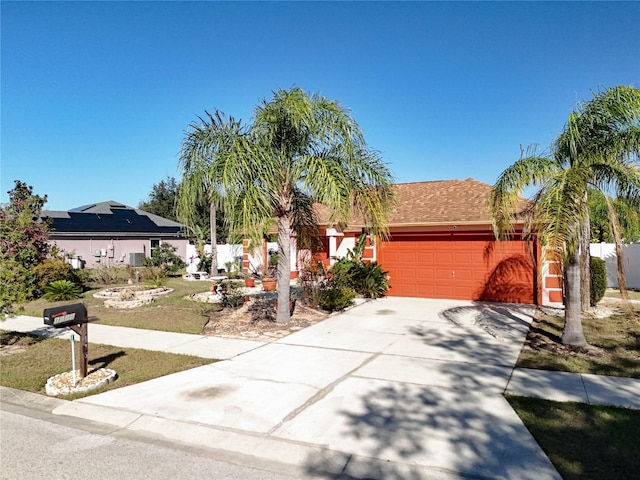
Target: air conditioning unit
(136, 259)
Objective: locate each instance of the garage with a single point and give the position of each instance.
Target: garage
(459, 265)
(441, 245)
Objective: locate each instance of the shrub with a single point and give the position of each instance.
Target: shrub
(232, 294)
(50, 270)
(165, 256)
(311, 276)
(109, 275)
(333, 296)
(62, 290)
(369, 280)
(204, 263)
(598, 280)
(153, 276)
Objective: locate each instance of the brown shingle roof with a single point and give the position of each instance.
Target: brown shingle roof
(442, 201)
(438, 202)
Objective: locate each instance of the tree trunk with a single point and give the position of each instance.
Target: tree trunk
(572, 333)
(283, 314)
(585, 265)
(214, 239)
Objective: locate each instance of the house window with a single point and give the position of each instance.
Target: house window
(155, 243)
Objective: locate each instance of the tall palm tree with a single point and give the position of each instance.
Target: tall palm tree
(598, 148)
(204, 142)
(300, 149)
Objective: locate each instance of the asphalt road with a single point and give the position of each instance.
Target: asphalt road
(36, 445)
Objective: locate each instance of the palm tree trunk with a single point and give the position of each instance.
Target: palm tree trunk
(283, 314)
(572, 333)
(214, 239)
(585, 265)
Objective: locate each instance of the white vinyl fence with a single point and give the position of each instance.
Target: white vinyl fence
(631, 260)
(227, 253)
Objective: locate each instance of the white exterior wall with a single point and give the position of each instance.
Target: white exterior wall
(225, 253)
(631, 259)
(229, 253)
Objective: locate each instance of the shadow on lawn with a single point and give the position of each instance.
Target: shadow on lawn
(106, 360)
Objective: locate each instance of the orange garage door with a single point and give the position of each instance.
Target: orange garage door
(458, 266)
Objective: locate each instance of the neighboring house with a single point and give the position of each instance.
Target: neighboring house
(441, 245)
(112, 234)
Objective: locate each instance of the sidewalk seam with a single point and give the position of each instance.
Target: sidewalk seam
(320, 394)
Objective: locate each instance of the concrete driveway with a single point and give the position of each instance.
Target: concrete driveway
(393, 388)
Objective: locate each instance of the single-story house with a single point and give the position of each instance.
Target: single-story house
(441, 245)
(112, 234)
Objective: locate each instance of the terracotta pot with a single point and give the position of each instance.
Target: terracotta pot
(250, 282)
(269, 284)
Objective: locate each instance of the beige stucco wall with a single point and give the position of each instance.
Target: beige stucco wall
(113, 251)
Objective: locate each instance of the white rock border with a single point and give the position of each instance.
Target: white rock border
(62, 384)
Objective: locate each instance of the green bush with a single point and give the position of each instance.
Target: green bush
(232, 294)
(598, 280)
(333, 296)
(367, 279)
(62, 290)
(204, 263)
(165, 256)
(50, 270)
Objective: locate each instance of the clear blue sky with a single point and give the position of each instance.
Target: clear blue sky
(96, 96)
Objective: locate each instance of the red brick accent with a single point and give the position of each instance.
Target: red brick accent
(555, 296)
(553, 282)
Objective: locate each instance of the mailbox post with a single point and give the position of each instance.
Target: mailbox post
(75, 317)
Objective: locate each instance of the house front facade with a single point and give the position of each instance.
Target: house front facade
(111, 234)
(441, 245)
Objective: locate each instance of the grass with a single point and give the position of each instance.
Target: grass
(614, 346)
(615, 293)
(40, 358)
(584, 441)
(170, 313)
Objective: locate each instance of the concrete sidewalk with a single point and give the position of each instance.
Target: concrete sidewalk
(394, 388)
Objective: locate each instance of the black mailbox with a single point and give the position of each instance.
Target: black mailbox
(66, 315)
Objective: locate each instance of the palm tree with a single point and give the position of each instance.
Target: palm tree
(204, 143)
(598, 148)
(300, 149)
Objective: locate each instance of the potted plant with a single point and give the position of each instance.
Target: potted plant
(268, 282)
(269, 278)
(249, 280)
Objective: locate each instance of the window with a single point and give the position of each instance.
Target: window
(155, 243)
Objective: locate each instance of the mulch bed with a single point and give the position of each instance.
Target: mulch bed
(240, 323)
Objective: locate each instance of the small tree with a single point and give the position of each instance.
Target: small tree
(165, 256)
(23, 245)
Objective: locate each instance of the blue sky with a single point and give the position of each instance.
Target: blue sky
(96, 96)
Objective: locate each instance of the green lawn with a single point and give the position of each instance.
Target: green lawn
(584, 442)
(170, 313)
(40, 358)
